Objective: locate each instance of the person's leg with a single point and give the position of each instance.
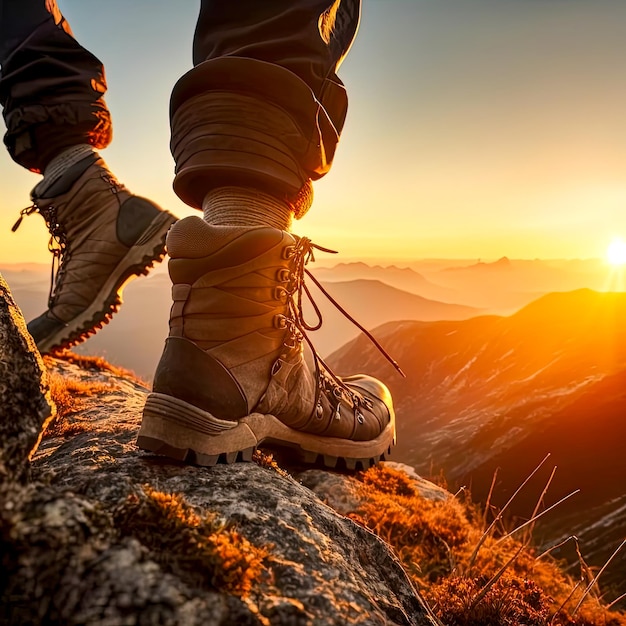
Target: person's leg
(263, 105)
(51, 88)
(253, 123)
(51, 91)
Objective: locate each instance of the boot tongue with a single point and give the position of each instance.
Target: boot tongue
(61, 182)
(193, 238)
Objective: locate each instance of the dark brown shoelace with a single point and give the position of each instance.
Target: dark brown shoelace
(301, 254)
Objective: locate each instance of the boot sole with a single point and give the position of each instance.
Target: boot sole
(181, 431)
(148, 250)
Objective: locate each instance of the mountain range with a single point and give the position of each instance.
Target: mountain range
(405, 279)
(143, 320)
(373, 294)
(500, 287)
(483, 391)
(502, 392)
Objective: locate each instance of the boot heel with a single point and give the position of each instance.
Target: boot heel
(186, 433)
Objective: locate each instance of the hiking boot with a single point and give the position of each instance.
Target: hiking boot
(233, 375)
(101, 237)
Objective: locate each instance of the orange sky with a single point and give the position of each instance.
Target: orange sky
(477, 128)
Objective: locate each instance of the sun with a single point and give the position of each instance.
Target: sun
(616, 252)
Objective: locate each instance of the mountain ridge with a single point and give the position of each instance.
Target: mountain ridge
(494, 391)
(91, 529)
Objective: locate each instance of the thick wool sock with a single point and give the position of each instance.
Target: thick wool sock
(60, 164)
(241, 206)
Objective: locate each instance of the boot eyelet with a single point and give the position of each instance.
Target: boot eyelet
(280, 322)
(282, 275)
(280, 294)
(288, 252)
(319, 411)
(359, 417)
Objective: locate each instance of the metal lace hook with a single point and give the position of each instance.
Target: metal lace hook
(29, 210)
(56, 243)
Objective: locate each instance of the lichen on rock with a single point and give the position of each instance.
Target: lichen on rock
(25, 403)
(105, 534)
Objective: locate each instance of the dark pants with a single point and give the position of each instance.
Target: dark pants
(52, 88)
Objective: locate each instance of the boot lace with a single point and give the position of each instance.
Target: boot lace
(297, 327)
(57, 245)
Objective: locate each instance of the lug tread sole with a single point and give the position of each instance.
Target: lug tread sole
(168, 428)
(143, 256)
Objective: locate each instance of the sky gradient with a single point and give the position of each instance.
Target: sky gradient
(476, 128)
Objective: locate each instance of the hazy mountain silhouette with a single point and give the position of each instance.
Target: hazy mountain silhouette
(501, 264)
(135, 336)
(503, 391)
(506, 285)
(499, 287)
(372, 303)
(405, 279)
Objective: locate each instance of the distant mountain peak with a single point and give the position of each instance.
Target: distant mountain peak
(351, 265)
(503, 263)
(575, 303)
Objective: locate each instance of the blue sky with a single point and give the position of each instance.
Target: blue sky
(477, 128)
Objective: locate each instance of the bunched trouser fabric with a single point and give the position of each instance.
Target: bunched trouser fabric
(51, 88)
(262, 106)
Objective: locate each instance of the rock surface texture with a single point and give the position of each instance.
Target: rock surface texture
(24, 398)
(106, 535)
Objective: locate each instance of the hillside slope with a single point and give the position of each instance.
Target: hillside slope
(92, 531)
(481, 382)
(503, 391)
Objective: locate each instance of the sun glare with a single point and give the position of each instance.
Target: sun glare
(616, 252)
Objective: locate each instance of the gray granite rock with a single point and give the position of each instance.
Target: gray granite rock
(65, 564)
(25, 403)
(425, 488)
(76, 549)
(344, 494)
(341, 492)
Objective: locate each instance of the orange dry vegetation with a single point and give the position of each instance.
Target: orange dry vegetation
(266, 460)
(504, 584)
(93, 363)
(67, 394)
(198, 549)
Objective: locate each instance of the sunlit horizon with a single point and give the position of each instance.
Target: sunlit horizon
(463, 140)
(616, 252)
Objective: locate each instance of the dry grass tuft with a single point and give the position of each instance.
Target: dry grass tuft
(199, 550)
(509, 601)
(67, 394)
(266, 460)
(501, 585)
(92, 363)
(422, 532)
(389, 480)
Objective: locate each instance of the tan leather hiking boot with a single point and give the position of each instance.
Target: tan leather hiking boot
(101, 237)
(232, 374)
